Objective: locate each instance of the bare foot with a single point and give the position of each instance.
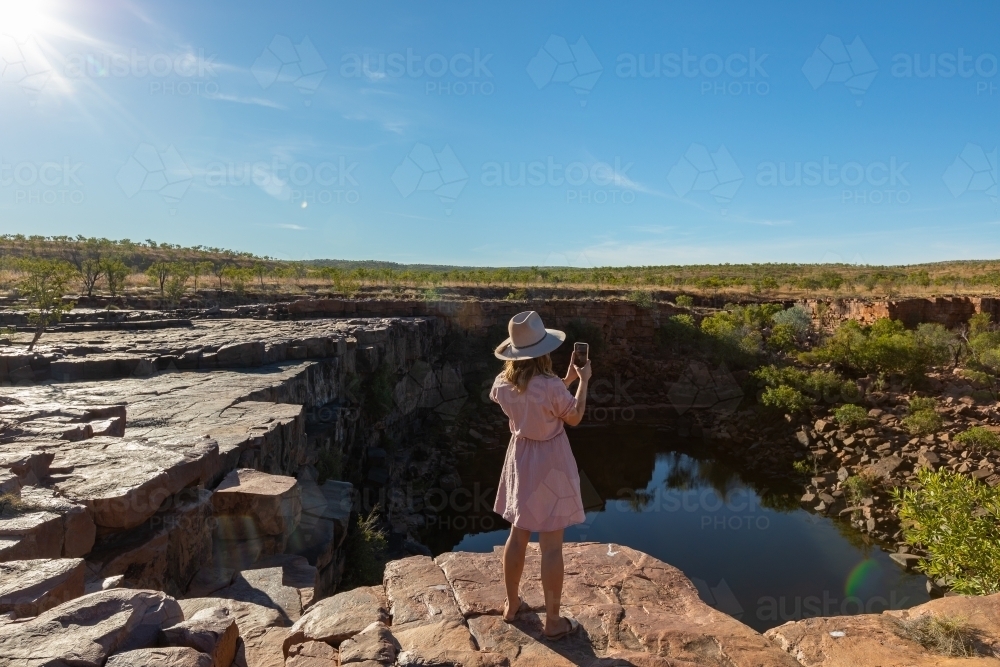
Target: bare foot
(507, 615)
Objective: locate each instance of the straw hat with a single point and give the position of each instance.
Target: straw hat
(528, 338)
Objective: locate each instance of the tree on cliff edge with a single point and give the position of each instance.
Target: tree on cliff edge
(43, 285)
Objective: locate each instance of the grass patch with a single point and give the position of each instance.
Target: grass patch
(859, 487)
(945, 635)
(365, 552)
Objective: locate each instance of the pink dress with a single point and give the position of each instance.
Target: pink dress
(540, 484)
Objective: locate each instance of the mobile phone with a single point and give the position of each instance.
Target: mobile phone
(580, 353)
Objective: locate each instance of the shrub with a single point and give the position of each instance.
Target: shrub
(885, 347)
(819, 385)
(520, 294)
(684, 301)
(957, 521)
(851, 416)
(44, 284)
(804, 467)
(923, 422)
(641, 298)
(365, 552)
(797, 318)
(785, 398)
(979, 437)
(859, 487)
(920, 404)
(782, 338)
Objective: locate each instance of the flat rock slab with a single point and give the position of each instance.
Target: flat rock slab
(123, 481)
(874, 640)
(27, 535)
(632, 608)
(85, 631)
(418, 592)
(265, 587)
(79, 529)
(375, 643)
(171, 656)
(30, 587)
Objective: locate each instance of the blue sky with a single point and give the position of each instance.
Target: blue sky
(519, 133)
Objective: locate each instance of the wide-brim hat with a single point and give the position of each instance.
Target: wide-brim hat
(528, 338)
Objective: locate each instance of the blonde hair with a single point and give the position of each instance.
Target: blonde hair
(519, 373)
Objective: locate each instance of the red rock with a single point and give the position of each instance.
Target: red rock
(161, 657)
(255, 504)
(212, 631)
(419, 592)
(340, 617)
(30, 587)
(311, 654)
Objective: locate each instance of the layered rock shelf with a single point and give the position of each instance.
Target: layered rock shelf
(632, 608)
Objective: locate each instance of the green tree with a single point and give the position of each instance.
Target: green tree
(43, 285)
(158, 272)
(115, 272)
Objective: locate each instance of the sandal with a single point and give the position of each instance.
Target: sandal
(522, 606)
(574, 625)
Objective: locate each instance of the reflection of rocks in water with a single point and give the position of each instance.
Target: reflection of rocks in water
(700, 388)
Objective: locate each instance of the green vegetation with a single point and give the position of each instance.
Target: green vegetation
(885, 347)
(804, 467)
(922, 418)
(785, 398)
(365, 552)
(957, 521)
(684, 301)
(641, 298)
(859, 487)
(945, 635)
(814, 385)
(851, 416)
(746, 280)
(43, 285)
(979, 437)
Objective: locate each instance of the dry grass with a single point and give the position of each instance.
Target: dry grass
(945, 635)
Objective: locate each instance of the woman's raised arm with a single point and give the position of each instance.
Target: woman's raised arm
(576, 416)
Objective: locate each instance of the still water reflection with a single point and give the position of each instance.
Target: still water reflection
(751, 550)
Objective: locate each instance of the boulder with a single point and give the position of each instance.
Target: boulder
(340, 617)
(250, 504)
(262, 630)
(85, 631)
(29, 587)
(212, 631)
(171, 656)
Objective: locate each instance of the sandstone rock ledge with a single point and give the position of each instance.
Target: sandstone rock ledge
(633, 609)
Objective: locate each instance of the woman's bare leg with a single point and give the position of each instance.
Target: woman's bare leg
(513, 566)
(550, 544)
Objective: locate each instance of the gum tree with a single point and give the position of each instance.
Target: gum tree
(43, 285)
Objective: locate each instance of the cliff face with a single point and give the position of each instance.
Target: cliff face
(949, 311)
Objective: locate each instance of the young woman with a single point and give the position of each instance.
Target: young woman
(539, 487)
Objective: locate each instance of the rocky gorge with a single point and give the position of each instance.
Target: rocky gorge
(179, 490)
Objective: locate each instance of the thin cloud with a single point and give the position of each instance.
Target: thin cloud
(255, 101)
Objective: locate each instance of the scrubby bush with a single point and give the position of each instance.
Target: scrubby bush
(957, 521)
(797, 318)
(641, 298)
(920, 404)
(684, 301)
(979, 437)
(859, 487)
(825, 386)
(365, 552)
(785, 398)
(886, 347)
(851, 416)
(783, 338)
(923, 422)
